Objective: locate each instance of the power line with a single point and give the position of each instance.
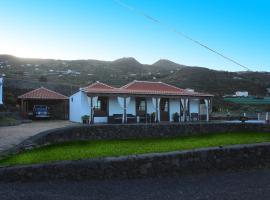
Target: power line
(179, 33)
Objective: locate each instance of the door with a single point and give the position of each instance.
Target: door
(141, 109)
(164, 109)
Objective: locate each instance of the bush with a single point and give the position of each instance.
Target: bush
(8, 121)
(10, 98)
(153, 117)
(176, 117)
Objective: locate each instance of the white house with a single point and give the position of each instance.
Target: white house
(138, 101)
(241, 93)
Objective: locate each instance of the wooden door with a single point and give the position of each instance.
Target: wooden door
(164, 109)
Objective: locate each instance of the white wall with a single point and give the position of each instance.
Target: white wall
(78, 106)
(194, 105)
(150, 106)
(241, 93)
(100, 120)
(131, 109)
(85, 107)
(174, 107)
(114, 107)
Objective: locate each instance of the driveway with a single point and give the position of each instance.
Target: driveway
(13, 135)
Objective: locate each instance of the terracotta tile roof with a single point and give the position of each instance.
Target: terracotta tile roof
(151, 86)
(98, 86)
(144, 88)
(43, 93)
(159, 88)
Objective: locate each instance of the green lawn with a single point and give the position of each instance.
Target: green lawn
(101, 148)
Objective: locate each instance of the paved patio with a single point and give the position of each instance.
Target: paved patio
(13, 135)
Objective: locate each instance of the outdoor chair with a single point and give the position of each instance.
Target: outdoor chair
(117, 118)
(194, 116)
(131, 118)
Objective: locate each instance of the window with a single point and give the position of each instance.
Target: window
(141, 106)
(164, 105)
(98, 105)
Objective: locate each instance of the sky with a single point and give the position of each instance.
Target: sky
(104, 30)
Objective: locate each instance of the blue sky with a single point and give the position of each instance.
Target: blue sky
(101, 29)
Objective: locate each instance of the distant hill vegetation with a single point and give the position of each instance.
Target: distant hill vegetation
(79, 73)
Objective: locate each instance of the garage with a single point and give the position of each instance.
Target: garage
(44, 103)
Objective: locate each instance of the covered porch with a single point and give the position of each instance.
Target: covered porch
(122, 108)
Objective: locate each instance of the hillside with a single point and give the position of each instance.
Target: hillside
(78, 73)
(81, 72)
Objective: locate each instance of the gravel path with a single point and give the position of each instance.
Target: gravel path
(13, 135)
(245, 185)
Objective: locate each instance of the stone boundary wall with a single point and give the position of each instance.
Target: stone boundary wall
(131, 131)
(148, 165)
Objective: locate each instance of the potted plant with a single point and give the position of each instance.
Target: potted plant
(85, 119)
(153, 117)
(176, 117)
(243, 119)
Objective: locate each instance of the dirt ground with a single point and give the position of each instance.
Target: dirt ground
(13, 135)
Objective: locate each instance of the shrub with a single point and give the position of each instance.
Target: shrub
(153, 116)
(176, 117)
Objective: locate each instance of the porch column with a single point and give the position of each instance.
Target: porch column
(186, 108)
(146, 111)
(157, 110)
(181, 109)
(184, 111)
(125, 110)
(188, 105)
(123, 102)
(199, 110)
(91, 110)
(94, 102)
(22, 106)
(206, 101)
(90, 103)
(156, 102)
(26, 106)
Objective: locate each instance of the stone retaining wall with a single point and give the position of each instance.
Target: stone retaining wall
(130, 131)
(147, 165)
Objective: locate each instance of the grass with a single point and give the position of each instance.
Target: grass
(101, 148)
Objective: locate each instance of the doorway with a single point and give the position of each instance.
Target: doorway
(164, 109)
